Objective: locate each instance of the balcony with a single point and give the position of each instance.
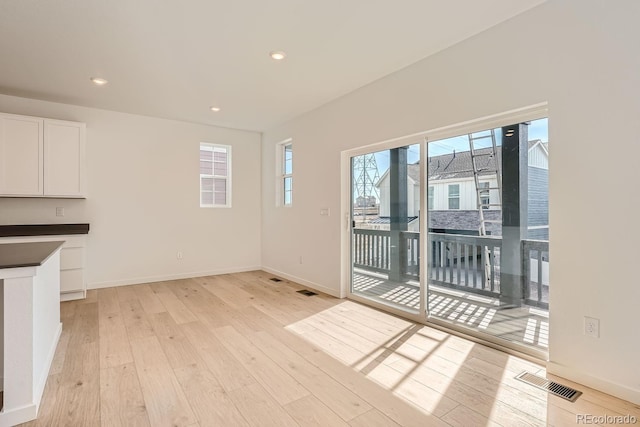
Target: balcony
(464, 281)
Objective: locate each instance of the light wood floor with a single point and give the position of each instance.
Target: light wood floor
(238, 350)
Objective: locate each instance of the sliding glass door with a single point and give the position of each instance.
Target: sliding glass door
(385, 238)
(475, 209)
(488, 232)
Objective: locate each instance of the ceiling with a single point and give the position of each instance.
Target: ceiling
(175, 59)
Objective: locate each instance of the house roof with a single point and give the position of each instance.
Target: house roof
(387, 220)
(459, 165)
(465, 220)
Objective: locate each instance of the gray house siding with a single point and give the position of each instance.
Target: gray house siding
(468, 222)
(538, 203)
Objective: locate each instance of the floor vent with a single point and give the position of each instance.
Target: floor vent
(275, 279)
(554, 388)
(306, 292)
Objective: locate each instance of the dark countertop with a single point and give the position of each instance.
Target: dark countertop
(34, 254)
(43, 229)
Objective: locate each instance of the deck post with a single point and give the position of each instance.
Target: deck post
(514, 212)
(398, 212)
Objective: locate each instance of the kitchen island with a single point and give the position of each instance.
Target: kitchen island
(72, 255)
(30, 329)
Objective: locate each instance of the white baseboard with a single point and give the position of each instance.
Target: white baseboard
(617, 390)
(151, 279)
(311, 285)
(17, 416)
(70, 296)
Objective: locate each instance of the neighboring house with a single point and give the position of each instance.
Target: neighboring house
(452, 196)
(366, 202)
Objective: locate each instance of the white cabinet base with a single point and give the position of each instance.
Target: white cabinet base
(72, 262)
(70, 296)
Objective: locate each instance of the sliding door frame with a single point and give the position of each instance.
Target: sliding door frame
(534, 112)
(347, 269)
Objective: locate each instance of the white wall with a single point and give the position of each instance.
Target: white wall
(538, 158)
(579, 56)
(440, 196)
(468, 194)
(142, 199)
(385, 195)
(413, 193)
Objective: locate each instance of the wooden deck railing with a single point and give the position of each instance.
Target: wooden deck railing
(411, 247)
(470, 263)
(535, 256)
(371, 249)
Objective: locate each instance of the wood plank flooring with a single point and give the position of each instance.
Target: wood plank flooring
(240, 350)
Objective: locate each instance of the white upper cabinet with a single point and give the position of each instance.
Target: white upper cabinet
(64, 158)
(41, 157)
(21, 155)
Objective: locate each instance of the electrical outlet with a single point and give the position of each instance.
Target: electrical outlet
(592, 327)
(301, 259)
(179, 255)
(59, 211)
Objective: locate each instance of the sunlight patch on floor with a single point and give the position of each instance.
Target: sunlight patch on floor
(530, 331)
(486, 321)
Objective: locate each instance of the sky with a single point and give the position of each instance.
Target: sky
(538, 129)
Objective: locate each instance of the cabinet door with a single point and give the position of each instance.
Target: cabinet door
(21, 155)
(71, 280)
(64, 157)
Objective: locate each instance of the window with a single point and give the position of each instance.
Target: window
(430, 198)
(484, 195)
(454, 196)
(286, 173)
(215, 175)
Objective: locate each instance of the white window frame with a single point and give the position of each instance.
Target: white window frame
(227, 178)
(485, 193)
(449, 198)
(281, 173)
(431, 197)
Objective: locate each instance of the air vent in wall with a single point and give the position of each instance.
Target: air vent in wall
(554, 388)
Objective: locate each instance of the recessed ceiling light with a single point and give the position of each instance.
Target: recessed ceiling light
(215, 109)
(278, 55)
(99, 81)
